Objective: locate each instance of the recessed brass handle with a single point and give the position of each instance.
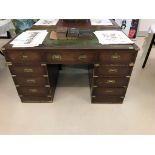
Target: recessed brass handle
(113, 70)
(96, 65)
(31, 81)
(33, 90)
(9, 63)
(131, 64)
(56, 57)
(108, 91)
(95, 76)
(82, 57)
(115, 56)
(27, 70)
(110, 81)
(24, 57)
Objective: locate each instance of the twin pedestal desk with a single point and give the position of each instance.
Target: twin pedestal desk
(35, 70)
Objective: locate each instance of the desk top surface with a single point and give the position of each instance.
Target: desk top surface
(79, 43)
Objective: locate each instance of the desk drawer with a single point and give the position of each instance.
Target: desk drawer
(111, 82)
(25, 57)
(37, 99)
(113, 71)
(123, 57)
(107, 99)
(31, 81)
(99, 91)
(33, 91)
(28, 71)
(71, 57)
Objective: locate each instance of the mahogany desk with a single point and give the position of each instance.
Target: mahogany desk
(35, 70)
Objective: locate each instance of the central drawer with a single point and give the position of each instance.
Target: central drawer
(99, 91)
(71, 57)
(33, 91)
(28, 70)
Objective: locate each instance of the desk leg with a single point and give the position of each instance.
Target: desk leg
(149, 50)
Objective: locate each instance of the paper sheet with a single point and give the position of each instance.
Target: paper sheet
(101, 22)
(30, 38)
(112, 37)
(47, 22)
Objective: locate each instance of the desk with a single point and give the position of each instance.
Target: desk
(35, 70)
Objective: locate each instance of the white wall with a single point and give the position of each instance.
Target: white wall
(144, 24)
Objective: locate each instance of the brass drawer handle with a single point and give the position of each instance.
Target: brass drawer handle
(95, 76)
(33, 90)
(27, 70)
(110, 81)
(115, 56)
(24, 57)
(108, 91)
(128, 76)
(113, 70)
(82, 57)
(31, 81)
(96, 65)
(9, 63)
(131, 64)
(56, 57)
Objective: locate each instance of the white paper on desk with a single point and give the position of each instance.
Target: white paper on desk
(100, 22)
(47, 22)
(112, 37)
(30, 38)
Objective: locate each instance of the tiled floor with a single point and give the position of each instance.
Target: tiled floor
(71, 111)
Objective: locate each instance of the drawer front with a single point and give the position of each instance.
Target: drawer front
(111, 82)
(27, 70)
(113, 71)
(33, 91)
(36, 99)
(31, 81)
(25, 57)
(123, 57)
(99, 91)
(71, 57)
(107, 99)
